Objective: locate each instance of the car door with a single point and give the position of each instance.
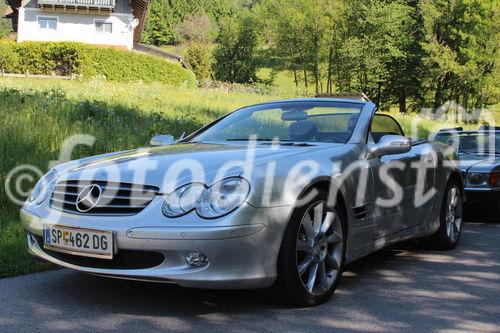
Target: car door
(395, 181)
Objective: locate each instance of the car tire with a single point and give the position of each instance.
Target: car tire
(311, 258)
(450, 218)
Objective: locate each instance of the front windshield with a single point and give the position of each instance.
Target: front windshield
(312, 121)
(482, 143)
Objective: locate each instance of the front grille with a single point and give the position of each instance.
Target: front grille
(113, 199)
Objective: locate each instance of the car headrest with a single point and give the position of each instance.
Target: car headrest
(294, 115)
(303, 130)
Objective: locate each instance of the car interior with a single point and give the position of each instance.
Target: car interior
(320, 127)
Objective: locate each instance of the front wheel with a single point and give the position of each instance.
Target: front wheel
(450, 229)
(312, 254)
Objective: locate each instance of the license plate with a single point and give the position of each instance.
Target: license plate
(80, 242)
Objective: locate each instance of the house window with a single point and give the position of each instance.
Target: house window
(47, 23)
(101, 26)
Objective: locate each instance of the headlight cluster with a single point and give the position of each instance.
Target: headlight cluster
(43, 187)
(209, 202)
(484, 179)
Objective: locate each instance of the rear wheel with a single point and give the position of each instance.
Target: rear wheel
(450, 229)
(312, 254)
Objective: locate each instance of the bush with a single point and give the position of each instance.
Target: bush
(74, 58)
(8, 57)
(199, 57)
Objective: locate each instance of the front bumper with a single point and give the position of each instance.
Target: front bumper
(482, 199)
(240, 254)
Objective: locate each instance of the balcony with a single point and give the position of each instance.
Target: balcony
(105, 6)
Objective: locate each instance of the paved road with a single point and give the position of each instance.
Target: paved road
(407, 289)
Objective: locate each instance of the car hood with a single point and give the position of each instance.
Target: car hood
(168, 167)
(475, 162)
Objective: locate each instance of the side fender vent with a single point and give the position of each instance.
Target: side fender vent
(359, 211)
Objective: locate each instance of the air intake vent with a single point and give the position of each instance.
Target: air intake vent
(101, 197)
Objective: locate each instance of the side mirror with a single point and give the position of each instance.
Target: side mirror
(162, 140)
(389, 145)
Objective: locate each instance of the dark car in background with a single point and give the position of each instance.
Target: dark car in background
(479, 153)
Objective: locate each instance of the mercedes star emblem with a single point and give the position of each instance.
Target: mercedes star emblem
(88, 198)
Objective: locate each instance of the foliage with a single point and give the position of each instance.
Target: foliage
(8, 57)
(394, 51)
(75, 58)
(196, 28)
(234, 59)
(409, 53)
(461, 50)
(199, 57)
(157, 30)
(167, 16)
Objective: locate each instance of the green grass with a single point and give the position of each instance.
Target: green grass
(38, 115)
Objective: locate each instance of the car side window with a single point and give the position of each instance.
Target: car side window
(383, 124)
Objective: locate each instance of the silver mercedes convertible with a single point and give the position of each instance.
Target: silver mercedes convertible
(280, 195)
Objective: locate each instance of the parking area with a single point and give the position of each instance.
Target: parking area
(404, 289)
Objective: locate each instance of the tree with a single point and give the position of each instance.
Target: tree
(298, 33)
(165, 15)
(199, 58)
(234, 57)
(157, 30)
(461, 50)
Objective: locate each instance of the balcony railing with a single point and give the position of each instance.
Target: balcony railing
(109, 4)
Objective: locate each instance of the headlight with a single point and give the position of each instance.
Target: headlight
(223, 197)
(43, 187)
(484, 179)
(220, 199)
(182, 200)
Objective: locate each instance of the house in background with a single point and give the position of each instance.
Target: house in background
(115, 23)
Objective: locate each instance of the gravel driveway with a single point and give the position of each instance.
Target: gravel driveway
(403, 289)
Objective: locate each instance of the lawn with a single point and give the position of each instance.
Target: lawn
(38, 115)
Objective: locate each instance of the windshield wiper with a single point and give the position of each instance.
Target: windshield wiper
(258, 139)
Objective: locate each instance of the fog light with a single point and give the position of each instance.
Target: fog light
(196, 259)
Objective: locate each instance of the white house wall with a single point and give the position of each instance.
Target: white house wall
(75, 28)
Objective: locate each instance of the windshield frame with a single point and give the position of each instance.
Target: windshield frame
(348, 104)
(487, 134)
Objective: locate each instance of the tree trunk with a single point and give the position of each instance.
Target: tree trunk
(316, 77)
(330, 70)
(305, 79)
(402, 100)
(440, 88)
(379, 88)
(295, 77)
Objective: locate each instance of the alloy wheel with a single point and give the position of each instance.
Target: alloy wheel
(319, 248)
(453, 214)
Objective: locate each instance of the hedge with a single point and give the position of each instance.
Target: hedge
(67, 58)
